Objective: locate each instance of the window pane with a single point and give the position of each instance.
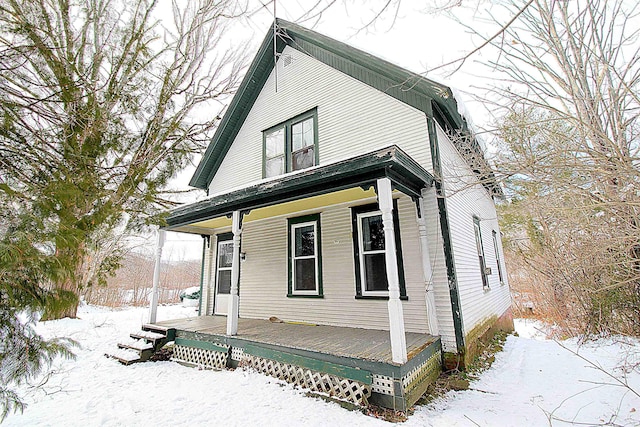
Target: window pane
(305, 274)
(225, 255)
(303, 159)
(274, 167)
(302, 134)
(476, 229)
(274, 143)
(375, 272)
(305, 238)
(224, 281)
(372, 233)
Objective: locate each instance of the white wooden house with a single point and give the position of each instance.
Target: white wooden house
(351, 242)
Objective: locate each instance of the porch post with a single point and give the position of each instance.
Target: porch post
(426, 263)
(153, 309)
(234, 299)
(394, 306)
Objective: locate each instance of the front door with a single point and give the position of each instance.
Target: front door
(224, 260)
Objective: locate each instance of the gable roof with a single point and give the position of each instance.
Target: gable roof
(434, 99)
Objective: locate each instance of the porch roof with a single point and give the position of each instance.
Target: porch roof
(405, 174)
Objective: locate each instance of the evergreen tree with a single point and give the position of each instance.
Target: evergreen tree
(96, 106)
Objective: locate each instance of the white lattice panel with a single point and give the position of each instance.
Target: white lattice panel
(417, 374)
(341, 388)
(382, 384)
(237, 354)
(200, 357)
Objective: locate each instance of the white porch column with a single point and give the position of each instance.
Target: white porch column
(426, 263)
(153, 309)
(394, 306)
(234, 298)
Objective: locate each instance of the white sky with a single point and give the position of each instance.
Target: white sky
(418, 39)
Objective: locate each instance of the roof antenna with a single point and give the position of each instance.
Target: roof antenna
(275, 47)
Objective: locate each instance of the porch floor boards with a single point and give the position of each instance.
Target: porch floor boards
(366, 344)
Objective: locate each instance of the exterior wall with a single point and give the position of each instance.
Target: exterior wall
(264, 274)
(439, 272)
(353, 119)
(208, 280)
(466, 197)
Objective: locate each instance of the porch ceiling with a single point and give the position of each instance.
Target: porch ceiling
(405, 174)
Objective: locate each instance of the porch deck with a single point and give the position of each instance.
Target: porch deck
(351, 363)
(353, 343)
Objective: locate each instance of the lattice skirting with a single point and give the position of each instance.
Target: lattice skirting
(430, 368)
(197, 356)
(334, 386)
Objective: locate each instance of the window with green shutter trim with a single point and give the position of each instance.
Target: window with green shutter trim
(291, 146)
(305, 260)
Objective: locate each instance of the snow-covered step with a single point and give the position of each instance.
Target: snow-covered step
(125, 355)
(136, 344)
(155, 328)
(148, 335)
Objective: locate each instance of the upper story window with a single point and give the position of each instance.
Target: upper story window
(291, 146)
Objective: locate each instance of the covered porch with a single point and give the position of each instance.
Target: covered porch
(351, 363)
(378, 361)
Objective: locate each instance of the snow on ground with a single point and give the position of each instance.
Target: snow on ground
(531, 380)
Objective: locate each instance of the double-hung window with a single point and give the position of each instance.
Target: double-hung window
(224, 264)
(369, 247)
(480, 250)
(496, 248)
(305, 262)
(291, 146)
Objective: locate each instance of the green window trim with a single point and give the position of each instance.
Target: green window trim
(356, 212)
(496, 247)
(292, 225)
(482, 260)
(288, 140)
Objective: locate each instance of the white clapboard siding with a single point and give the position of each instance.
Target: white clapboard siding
(353, 119)
(208, 279)
(264, 274)
(440, 277)
(466, 197)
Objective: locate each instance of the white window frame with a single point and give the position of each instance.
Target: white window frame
(295, 226)
(361, 255)
(218, 268)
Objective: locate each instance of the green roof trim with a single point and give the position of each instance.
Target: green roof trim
(403, 85)
(405, 174)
